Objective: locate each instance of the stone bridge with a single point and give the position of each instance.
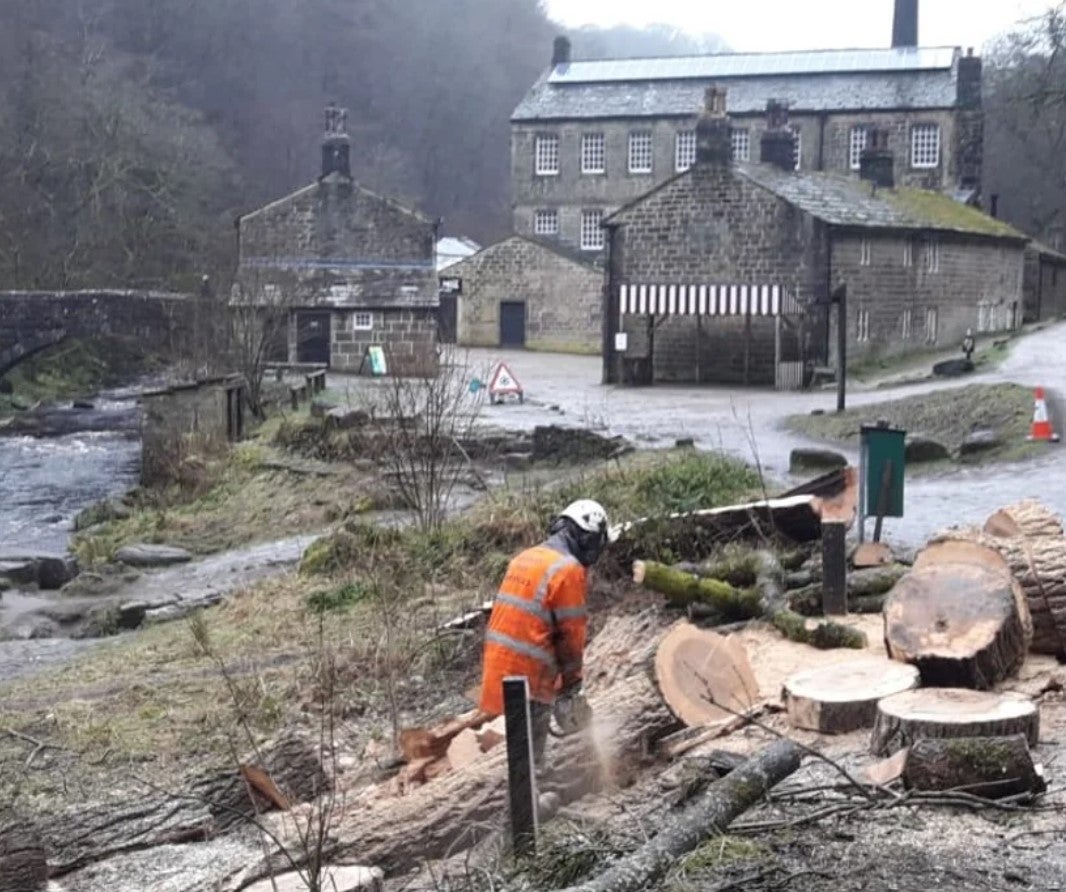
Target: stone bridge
(31, 321)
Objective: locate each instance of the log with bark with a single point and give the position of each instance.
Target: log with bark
(203, 808)
(956, 617)
(866, 591)
(992, 767)
(1029, 520)
(23, 865)
(711, 813)
(843, 697)
(949, 713)
(767, 600)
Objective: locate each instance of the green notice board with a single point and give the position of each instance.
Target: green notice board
(882, 448)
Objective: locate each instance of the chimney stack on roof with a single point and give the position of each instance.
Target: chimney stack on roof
(905, 24)
(877, 165)
(714, 135)
(778, 144)
(336, 146)
(561, 51)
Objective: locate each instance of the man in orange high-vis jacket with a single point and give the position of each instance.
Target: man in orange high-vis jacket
(539, 620)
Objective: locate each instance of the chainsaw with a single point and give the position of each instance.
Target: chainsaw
(571, 714)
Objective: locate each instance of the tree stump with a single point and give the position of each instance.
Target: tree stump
(843, 697)
(704, 677)
(957, 617)
(992, 767)
(943, 713)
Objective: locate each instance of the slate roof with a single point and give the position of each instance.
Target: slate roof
(849, 202)
(816, 81)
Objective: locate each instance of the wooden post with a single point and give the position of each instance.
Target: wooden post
(521, 780)
(777, 353)
(882, 498)
(747, 347)
(834, 570)
(841, 298)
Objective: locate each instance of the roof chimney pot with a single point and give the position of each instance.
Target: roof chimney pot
(778, 143)
(336, 146)
(561, 51)
(877, 164)
(905, 24)
(714, 134)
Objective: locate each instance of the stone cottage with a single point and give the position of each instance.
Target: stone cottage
(725, 272)
(349, 267)
(523, 292)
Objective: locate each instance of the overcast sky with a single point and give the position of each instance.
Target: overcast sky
(767, 25)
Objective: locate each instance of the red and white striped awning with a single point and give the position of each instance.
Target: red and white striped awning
(701, 300)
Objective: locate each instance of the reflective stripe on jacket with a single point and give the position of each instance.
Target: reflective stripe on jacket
(537, 627)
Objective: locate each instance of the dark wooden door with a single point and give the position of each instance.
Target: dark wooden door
(312, 336)
(447, 318)
(513, 323)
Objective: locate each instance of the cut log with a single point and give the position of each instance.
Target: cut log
(709, 814)
(205, 807)
(433, 743)
(704, 677)
(866, 590)
(1028, 519)
(23, 867)
(887, 771)
(992, 767)
(942, 713)
(843, 697)
(464, 749)
(871, 554)
(492, 734)
(956, 617)
(682, 589)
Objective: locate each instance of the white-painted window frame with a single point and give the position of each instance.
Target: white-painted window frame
(593, 153)
(546, 221)
(592, 238)
(740, 138)
(546, 155)
(925, 146)
(684, 150)
(641, 155)
(362, 320)
(857, 139)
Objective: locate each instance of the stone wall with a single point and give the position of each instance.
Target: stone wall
(166, 323)
(408, 336)
(714, 227)
(930, 301)
(825, 146)
(563, 297)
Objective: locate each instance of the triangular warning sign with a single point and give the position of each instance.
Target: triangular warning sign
(503, 382)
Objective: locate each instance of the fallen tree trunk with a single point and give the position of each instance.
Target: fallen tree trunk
(1028, 519)
(767, 600)
(458, 809)
(956, 617)
(23, 866)
(808, 602)
(710, 814)
(866, 591)
(205, 807)
(992, 767)
(943, 713)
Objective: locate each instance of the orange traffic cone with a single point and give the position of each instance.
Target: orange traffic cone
(1041, 429)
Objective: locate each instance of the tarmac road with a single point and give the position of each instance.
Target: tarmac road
(748, 422)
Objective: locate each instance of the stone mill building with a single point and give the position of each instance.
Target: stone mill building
(351, 268)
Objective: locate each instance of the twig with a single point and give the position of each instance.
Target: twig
(39, 746)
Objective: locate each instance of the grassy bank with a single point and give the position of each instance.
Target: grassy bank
(75, 368)
(947, 416)
(368, 602)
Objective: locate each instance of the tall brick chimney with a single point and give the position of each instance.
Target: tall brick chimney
(876, 163)
(336, 146)
(561, 51)
(778, 143)
(968, 82)
(714, 136)
(905, 24)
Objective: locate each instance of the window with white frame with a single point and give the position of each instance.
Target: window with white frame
(546, 155)
(640, 154)
(591, 230)
(862, 325)
(545, 222)
(932, 256)
(932, 323)
(797, 145)
(856, 146)
(685, 150)
(925, 145)
(866, 252)
(593, 153)
(741, 144)
(363, 321)
(908, 252)
(906, 321)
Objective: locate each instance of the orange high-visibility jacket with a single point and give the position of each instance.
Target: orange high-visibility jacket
(537, 627)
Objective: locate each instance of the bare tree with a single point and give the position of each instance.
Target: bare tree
(420, 424)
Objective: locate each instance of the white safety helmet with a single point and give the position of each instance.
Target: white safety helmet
(589, 516)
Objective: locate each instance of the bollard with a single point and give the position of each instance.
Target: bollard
(834, 570)
(521, 778)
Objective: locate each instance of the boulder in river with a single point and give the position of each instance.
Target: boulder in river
(979, 441)
(921, 448)
(812, 460)
(143, 554)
